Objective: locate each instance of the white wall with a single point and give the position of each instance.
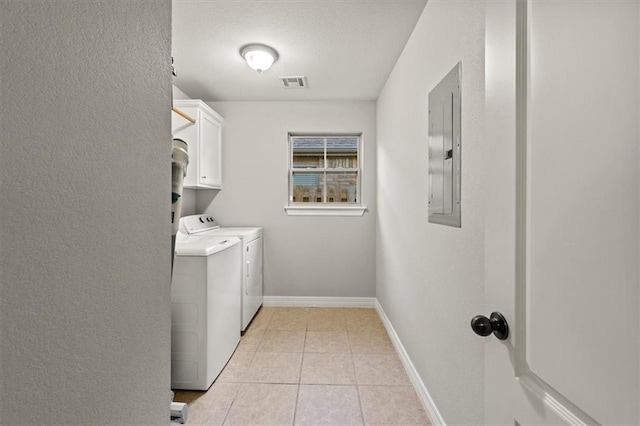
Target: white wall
(304, 256)
(430, 277)
(85, 230)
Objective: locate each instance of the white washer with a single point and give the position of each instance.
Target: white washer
(205, 305)
(252, 274)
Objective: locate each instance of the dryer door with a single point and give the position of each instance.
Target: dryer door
(252, 291)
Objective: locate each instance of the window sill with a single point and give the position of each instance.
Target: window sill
(325, 210)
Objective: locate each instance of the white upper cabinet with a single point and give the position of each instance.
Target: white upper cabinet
(204, 139)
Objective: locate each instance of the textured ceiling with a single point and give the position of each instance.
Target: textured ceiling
(345, 48)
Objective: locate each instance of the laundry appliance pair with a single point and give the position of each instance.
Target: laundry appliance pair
(216, 290)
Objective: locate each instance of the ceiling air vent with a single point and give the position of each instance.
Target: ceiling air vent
(296, 82)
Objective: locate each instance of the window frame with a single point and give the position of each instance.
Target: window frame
(325, 208)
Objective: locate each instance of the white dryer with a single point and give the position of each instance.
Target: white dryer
(205, 305)
(252, 274)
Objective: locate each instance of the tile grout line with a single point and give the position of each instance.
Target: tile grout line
(295, 408)
(235, 395)
(355, 375)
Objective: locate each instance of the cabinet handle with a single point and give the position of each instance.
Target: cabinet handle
(204, 177)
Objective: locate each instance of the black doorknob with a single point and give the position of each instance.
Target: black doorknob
(495, 324)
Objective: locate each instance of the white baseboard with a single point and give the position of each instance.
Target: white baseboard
(421, 390)
(320, 302)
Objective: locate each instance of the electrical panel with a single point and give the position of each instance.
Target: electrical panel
(444, 150)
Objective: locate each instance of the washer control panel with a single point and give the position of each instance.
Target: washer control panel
(198, 223)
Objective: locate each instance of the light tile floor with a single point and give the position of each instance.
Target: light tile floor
(310, 366)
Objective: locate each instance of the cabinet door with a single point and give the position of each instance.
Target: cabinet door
(204, 142)
(210, 170)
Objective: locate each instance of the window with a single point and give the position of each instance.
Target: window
(325, 174)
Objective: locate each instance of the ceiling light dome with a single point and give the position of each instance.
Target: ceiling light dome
(258, 56)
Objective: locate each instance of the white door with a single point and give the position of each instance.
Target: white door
(562, 222)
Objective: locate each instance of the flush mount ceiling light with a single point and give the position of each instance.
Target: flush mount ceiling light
(258, 56)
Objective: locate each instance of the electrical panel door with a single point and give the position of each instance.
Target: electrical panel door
(444, 150)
